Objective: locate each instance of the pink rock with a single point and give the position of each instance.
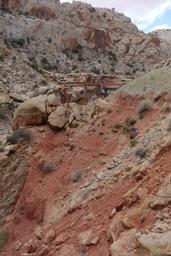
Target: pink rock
(43, 251)
(50, 236)
(88, 238)
(31, 246)
(60, 239)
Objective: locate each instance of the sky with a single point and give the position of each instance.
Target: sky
(148, 15)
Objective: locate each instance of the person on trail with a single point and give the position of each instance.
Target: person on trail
(103, 91)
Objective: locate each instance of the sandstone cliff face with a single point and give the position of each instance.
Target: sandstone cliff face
(77, 37)
(40, 9)
(164, 36)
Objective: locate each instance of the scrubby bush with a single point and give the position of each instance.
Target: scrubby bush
(144, 106)
(166, 108)
(19, 135)
(4, 235)
(80, 57)
(133, 143)
(95, 70)
(46, 167)
(133, 133)
(141, 152)
(130, 121)
(1, 57)
(76, 176)
(49, 40)
(75, 50)
(15, 42)
(6, 110)
(125, 129)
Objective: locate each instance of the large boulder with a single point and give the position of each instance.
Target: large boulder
(31, 112)
(57, 119)
(156, 244)
(54, 100)
(78, 93)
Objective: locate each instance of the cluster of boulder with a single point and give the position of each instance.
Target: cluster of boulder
(58, 112)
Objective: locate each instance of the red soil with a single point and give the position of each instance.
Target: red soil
(89, 151)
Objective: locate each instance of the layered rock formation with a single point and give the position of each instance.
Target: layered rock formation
(76, 37)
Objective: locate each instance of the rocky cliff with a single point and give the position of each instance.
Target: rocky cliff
(77, 37)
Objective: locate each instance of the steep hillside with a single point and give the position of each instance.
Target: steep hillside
(85, 132)
(77, 37)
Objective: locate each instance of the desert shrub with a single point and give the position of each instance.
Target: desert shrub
(1, 57)
(76, 176)
(128, 168)
(112, 70)
(74, 67)
(133, 143)
(19, 135)
(66, 52)
(44, 60)
(48, 66)
(49, 40)
(75, 50)
(125, 129)
(46, 167)
(130, 121)
(80, 57)
(144, 106)
(133, 133)
(141, 152)
(6, 110)
(95, 70)
(166, 108)
(116, 127)
(4, 235)
(130, 64)
(15, 42)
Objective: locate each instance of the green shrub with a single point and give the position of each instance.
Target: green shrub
(144, 106)
(19, 135)
(95, 70)
(75, 50)
(133, 143)
(4, 236)
(130, 121)
(16, 42)
(166, 107)
(46, 167)
(1, 57)
(49, 40)
(76, 176)
(141, 152)
(80, 58)
(125, 129)
(6, 110)
(44, 60)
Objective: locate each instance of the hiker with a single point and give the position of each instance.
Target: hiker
(103, 91)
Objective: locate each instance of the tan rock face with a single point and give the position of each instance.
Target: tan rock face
(79, 30)
(31, 112)
(156, 243)
(99, 38)
(57, 119)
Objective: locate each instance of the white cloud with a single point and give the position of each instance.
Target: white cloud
(162, 26)
(142, 12)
